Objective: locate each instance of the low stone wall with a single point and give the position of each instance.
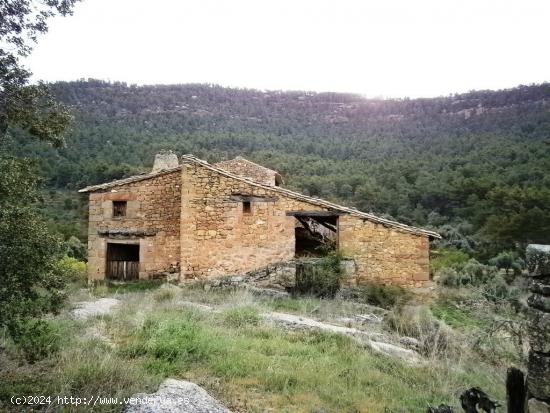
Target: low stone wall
(280, 276)
(538, 377)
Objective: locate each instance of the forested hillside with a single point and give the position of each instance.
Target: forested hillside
(473, 166)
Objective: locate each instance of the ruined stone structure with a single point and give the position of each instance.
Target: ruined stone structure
(538, 376)
(201, 220)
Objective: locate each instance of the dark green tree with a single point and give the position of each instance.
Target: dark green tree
(29, 283)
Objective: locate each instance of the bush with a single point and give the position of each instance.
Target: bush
(385, 296)
(36, 339)
(72, 269)
(446, 258)
(76, 249)
(320, 279)
(242, 316)
(434, 337)
(470, 272)
(498, 289)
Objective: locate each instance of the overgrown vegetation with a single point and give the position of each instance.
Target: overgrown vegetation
(321, 277)
(249, 363)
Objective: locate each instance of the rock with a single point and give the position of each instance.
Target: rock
(268, 292)
(368, 318)
(538, 378)
(396, 351)
(538, 406)
(539, 330)
(87, 309)
(539, 302)
(362, 337)
(540, 288)
(175, 396)
(410, 342)
(537, 257)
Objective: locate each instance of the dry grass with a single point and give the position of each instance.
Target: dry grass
(249, 364)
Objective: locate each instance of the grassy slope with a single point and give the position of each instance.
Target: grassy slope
(248, 364)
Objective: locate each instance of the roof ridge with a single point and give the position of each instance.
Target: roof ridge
(240, 158)
(318, 201)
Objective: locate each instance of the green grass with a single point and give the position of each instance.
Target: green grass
(110, 287)
(458, 316)
(247, 363)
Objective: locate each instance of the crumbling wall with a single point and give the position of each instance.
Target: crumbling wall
(242, 167)
(218, 238)
(152, 221)
(538, 376)
(384, 254)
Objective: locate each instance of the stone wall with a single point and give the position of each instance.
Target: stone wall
(384, 254)
(152, 221)
(219, 238)
(242, 167)
(538, 377)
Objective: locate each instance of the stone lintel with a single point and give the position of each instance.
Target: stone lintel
(126, 233)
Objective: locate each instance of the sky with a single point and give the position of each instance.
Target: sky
(377, 48)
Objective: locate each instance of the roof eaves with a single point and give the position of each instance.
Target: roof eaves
(130, 179)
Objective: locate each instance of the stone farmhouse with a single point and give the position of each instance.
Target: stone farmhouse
(199, 220)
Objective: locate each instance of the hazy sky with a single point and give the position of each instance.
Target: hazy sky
(392, 48)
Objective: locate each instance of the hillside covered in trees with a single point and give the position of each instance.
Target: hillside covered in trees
(473, 166)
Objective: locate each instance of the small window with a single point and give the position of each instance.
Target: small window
(119, 209)
(247, 208)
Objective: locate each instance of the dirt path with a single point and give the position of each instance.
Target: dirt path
(87, 309)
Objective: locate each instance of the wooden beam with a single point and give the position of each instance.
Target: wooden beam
(252, 198)
(325, 224)
(314, 213)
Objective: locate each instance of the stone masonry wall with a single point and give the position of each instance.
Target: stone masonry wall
(219, 238)
(153, 212)
(242, 167)
(384, 254)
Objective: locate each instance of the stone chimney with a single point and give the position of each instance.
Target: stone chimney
(165, 160)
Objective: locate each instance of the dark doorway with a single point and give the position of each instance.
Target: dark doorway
(122, 261)
(316, 233)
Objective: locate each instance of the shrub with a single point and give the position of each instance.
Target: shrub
(36, 339)
(76, 249)
(385, 296)
(470, 272)
(242, 316)
(448, 258)
(448, 277)
(320, 279)
(72, 269)
(434, 337)
(498, 289)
